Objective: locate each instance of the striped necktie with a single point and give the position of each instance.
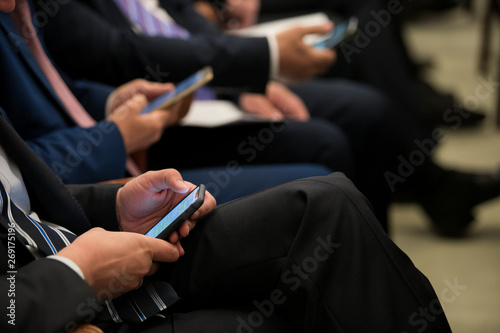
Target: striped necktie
(152, 25)
(135, 306)
(22, 19)
(148, 23)
(41, 237)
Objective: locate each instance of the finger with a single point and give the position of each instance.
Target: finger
(162, 250)
(260, 105)
(174, 237)
(317, 29)
(272, 112)
(208, 205)
(151, 90)
(136, 103)
(294, 108)
(160, 117)
(185, 228)
(153, 269)
(180, 249)
(168, 179)
(327, 54)
(133, 105)
(289, 103)
(323, 58)
(297, 112)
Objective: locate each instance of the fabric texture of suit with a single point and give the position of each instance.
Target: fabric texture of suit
(345, 116)
(325, 229)
(378, 56)
(49, 130)
(56, 203)
(77, 153)
(90, 155)
(236, 62)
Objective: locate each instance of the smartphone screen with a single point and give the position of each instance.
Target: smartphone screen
(181, 90)
(180, 213)
(342, 31)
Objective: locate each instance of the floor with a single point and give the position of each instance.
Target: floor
(465, 273)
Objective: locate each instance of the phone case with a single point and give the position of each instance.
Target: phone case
(184, 215)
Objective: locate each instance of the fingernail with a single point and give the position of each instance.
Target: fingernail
(182, 185)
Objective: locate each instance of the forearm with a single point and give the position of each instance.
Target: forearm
(93, 96)
(117, 55)
(99, 203)
(236, 61)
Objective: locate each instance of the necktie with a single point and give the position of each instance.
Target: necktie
(152, 25)
(135, 306)
(148, 22)
(44, 238)
(22, 19)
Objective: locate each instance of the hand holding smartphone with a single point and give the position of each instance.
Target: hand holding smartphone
(183, 89)
(342, 32)
(180, 213)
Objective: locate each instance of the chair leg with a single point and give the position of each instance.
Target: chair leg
(485, 40)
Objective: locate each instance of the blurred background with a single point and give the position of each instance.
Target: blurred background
(465, 272)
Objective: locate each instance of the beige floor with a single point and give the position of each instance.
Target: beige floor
(465, 273)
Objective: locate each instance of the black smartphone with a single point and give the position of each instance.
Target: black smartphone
(183, 89)
(342, 32)
(180, 213)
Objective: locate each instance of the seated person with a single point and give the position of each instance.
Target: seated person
(334, 114)
(78, 154)
(379, 55)
(97, 152)
(307, 256)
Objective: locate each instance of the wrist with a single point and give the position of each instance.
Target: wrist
(74, 255)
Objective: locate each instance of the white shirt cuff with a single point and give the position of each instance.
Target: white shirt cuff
(68, 262)
(107, 107)
(274, 52)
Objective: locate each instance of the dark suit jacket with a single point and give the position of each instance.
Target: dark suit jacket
(93, 39)
(95, 206)
(37, 114)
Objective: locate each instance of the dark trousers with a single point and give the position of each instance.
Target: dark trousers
(354, 129)
(344, 117)
(309, 255)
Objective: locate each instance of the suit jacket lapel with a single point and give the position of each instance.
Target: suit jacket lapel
(48, 195)
(20, 47)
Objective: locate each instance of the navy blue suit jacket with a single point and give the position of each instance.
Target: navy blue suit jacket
(93, 39)
(37, 114)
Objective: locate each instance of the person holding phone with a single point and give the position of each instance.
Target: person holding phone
(341, 125)
(380, 56)
(101, 149)
(302, 256)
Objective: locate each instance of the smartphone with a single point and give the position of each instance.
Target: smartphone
(341, 33)
(180, 213)
(181, 90)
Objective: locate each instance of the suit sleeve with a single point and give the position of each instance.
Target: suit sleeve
(92, 95)
(78, 155)
(44, 296)
(99, 203)
(87, 44)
